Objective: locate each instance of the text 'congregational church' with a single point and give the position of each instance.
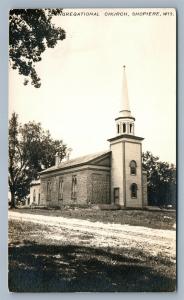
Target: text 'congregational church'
(111, 177)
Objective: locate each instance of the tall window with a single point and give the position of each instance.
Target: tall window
(118, 128)
(124, 127)
(74, 187)
(34, 196)
(60, 194)
(130, 128)
(133, 167)
(48, 190)
(133, 190)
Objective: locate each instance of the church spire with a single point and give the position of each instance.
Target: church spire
(125, 106)
(125, 122)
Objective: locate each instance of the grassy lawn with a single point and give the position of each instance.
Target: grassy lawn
(158, 219)
(37, 264)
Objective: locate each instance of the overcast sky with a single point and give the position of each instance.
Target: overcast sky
(82, 81)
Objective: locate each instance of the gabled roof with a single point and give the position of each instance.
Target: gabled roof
(82, 160)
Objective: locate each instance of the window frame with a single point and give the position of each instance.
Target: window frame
(61, 188)
(116, 195)
(133, 169)
(134, 192)
(131, 126)
(34, 196)
(118, 128)
(49, 190)
(74, 187)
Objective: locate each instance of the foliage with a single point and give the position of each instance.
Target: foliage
(161, 178)
(31, 31)
(31, 150)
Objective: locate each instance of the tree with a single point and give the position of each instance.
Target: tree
(31, 150)
(30, 32)
(161, 177)
(13, 155)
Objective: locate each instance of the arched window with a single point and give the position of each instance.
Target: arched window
(133, 167)
(133, 189)
(124, 127)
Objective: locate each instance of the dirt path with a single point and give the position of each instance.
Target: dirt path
(154, 242)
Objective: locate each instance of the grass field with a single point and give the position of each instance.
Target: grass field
(45, 258)
(160, 219)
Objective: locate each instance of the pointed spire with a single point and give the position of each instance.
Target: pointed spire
(125, 99)
(125, 121)
(125, 108)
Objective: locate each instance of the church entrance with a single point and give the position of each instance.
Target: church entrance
(116, 195)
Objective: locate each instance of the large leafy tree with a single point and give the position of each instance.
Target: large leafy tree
(161, 178)
(31, 150)
(31, 31)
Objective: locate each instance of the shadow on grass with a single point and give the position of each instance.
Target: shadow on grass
(39, 268)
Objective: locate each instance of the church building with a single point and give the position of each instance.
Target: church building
(112, 177)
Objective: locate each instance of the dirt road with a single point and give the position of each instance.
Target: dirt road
(154, 242)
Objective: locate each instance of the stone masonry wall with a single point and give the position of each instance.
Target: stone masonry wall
(98, 187)
(81, 189)
(93, 186)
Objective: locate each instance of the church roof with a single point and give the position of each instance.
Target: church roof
(82, 160)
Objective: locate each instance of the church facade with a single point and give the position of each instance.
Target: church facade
(112, 177)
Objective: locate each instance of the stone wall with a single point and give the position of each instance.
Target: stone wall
(93, 186)
(67, 198)
(98, 187)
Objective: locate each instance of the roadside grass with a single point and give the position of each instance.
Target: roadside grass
(157, 219)
(39, 265)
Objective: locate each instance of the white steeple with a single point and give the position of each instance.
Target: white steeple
(125, 122)
(125, 99)
(125, 106)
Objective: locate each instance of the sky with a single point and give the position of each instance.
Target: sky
(81, 80)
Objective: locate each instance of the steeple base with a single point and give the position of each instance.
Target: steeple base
(126, 171)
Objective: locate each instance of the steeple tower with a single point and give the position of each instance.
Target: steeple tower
(127, 176)
(125, 122)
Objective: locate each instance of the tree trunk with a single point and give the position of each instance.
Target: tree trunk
(12, 202)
